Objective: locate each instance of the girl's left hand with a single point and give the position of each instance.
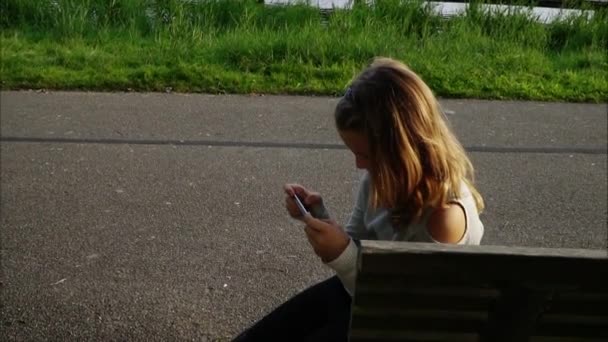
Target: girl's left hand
(326, 237)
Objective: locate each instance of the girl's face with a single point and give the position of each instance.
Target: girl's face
(358, 145)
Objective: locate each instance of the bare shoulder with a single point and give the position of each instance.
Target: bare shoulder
(447, 224)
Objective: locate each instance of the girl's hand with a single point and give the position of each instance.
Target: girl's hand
(326, 237)
(309, 199)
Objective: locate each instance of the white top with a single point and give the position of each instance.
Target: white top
(366, 223)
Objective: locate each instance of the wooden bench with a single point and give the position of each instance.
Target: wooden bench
(432, 292)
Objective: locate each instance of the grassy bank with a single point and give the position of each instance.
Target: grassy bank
(244, 47)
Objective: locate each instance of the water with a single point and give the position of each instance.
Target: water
(447, 9)
(542, 14)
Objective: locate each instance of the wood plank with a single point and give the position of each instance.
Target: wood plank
(433, 302)
(463, 283)
(587, 297)
(379, 247)
(591, 273)
(406, 336)
(561, 266)
(402, 262)
(421, 286)
(578, 320)
(577, 309)
(590, 304)
(418, 321)
(565, 339)
(571, 330)
(401, 289)
(420, 314)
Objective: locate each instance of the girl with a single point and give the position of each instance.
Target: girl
(418, 186)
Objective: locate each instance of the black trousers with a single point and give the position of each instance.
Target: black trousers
(319, 313)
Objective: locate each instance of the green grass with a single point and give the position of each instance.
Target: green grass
(230, 46)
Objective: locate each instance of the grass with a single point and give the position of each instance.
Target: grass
(230, 46)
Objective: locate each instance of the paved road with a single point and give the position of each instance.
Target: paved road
(157, 217)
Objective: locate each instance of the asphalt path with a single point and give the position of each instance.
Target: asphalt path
(157, 217)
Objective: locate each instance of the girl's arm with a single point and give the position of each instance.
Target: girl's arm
(345, 265)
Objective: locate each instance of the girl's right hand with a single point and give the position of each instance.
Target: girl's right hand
(309, 199)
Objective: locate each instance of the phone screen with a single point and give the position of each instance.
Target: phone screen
(300, 205)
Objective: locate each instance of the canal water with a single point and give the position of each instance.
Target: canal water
(542, 14)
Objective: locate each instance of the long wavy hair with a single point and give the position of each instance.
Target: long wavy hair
(416, 162)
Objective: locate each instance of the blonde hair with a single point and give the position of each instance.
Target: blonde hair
(416, 161)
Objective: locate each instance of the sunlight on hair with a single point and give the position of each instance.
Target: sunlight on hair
(417, 163)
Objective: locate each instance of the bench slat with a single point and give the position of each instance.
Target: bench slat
(401, 292)
(394, 247)
(388, 284)
(572, 330)
(588, 273)
(419, 321)
(444, 302)
(565, 339)
(359, 335)
(589, 304)
(580, 320)
(445, 292)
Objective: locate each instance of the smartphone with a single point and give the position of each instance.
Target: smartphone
(300, 205)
